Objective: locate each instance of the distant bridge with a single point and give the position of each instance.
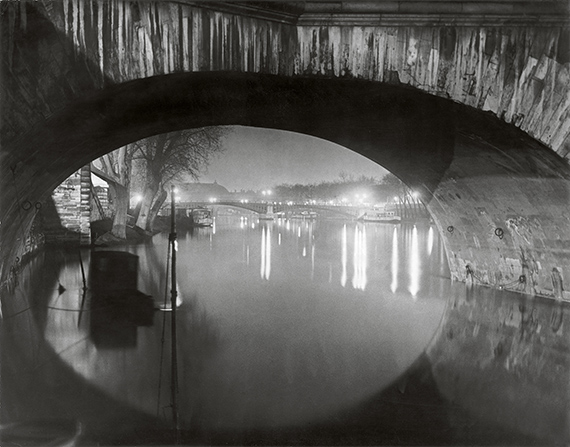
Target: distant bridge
(277, 207)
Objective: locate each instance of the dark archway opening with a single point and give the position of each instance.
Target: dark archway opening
(428, 142)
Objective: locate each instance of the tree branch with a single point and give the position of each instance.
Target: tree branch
(109, 178)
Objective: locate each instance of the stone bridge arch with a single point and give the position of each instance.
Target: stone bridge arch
(498, 196)
(512, 60)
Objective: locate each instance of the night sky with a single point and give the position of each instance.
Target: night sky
(263, 158)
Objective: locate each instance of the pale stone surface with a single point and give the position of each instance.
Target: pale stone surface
(511, 71)
(520, 74)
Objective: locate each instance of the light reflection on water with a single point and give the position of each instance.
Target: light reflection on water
(266, 252)
(360, 258)
(344, 256)
(268, 335)
(394, 285)
(414, 264)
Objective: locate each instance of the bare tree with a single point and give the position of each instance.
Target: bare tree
(115, 169)
(166, 157)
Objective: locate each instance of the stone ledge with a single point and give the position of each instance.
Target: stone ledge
(434, 19)
(398, 13)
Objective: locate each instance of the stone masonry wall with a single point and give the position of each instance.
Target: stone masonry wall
(520, 73)
(67, 218)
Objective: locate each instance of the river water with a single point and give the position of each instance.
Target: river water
(282, 322)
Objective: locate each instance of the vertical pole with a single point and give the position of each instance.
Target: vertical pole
(174, 379)
(82, 272)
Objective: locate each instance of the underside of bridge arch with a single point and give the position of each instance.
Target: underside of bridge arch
(499, 198)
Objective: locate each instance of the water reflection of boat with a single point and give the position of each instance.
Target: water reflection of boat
(381, 217)
(115, 317)
(117, 307)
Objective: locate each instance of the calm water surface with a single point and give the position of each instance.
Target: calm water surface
(281, 323)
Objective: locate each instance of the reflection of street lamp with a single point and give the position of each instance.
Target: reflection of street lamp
(213, 199)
